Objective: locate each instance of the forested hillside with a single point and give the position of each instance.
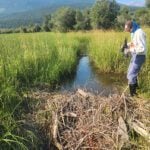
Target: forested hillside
(29, 12)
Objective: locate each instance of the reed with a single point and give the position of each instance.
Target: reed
(105, 51)
(28, 60)
(105, 54)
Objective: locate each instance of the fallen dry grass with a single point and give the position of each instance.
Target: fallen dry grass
(82, 120)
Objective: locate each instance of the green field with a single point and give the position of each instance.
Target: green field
(30, 60)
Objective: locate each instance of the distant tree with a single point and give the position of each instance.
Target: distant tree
(124, 14)
(148, 3)
(23, 29)
(47, 25)
(87, 19)
(36, 28)
(82, 20)
(64, 19)
(79, 18)
(47, 18)
(17, 30)
(142, 16)
(104, 14)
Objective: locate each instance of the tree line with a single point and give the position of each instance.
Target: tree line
(104, 14)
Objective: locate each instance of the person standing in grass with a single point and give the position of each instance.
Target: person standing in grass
(137, 49)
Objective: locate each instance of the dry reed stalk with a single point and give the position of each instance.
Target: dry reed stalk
(91, 122)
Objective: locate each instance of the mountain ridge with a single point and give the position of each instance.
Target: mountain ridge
(30, 15)
(36, 15)
(13, 6)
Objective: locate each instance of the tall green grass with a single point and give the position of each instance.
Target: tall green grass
(105, 53)
(29, 60)
(32, 58)
(145, 74)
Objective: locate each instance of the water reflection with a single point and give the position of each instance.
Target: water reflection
(86, 77)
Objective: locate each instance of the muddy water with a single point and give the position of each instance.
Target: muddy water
(87, 77)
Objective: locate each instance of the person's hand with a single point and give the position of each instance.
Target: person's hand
(126, 52)
(130, 45)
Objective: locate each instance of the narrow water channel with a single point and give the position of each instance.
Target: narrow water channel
(87, 78)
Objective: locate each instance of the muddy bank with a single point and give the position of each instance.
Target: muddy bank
(81, 120)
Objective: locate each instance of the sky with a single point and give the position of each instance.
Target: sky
(127, 2)
(2, 10)
(132, 2)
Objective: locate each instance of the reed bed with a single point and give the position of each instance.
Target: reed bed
(104, 51)
(45, 59)
(37, 58)
(28, 60)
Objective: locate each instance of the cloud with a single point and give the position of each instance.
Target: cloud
(132, 2)
(2, 10)
(137, 3)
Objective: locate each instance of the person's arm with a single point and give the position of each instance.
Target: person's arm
(139, 43)
(129, 48)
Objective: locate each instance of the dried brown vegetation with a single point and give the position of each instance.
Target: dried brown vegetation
(82, 120)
